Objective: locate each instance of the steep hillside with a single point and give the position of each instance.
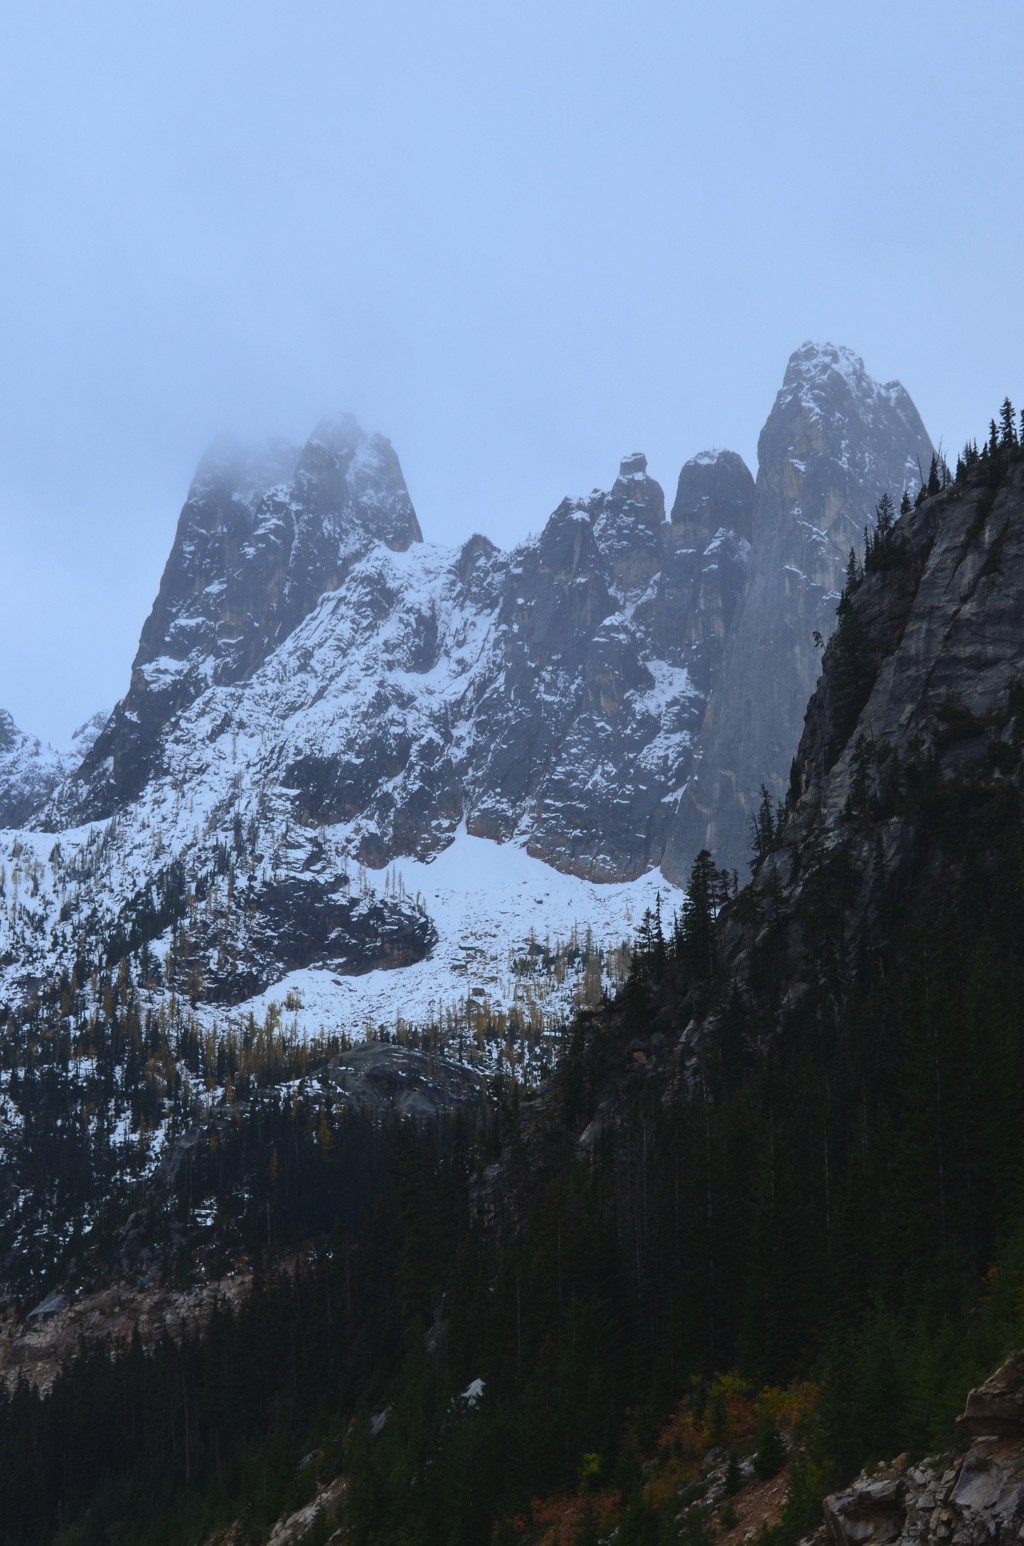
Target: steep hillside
(915, 732)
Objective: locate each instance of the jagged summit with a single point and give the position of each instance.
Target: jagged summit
(264, 533)
(829, 404)
(30, 769)
(352, 479)
(834, 442)
(813, 365)
(338, 433)
(316, 690)
(633, 466)
(634, 489)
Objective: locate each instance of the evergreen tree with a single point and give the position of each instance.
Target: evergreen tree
(1008, 429)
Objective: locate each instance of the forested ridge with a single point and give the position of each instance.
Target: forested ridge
(776, 1184)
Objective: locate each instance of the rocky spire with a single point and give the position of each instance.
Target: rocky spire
(263, 534)
(835, 441)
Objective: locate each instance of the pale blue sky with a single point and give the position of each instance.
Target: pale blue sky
(520, 239)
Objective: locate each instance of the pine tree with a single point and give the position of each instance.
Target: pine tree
(1008, 435)
(765, 826)
(697, 946)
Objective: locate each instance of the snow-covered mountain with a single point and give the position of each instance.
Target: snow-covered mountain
(30, 769)
(321, 703)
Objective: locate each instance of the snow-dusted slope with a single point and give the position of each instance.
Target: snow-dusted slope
(514, 937)
(318, 696)
(30, 769)
(305, 640)
(541, 703)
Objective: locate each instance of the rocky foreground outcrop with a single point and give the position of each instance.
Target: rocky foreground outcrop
(972, 1496)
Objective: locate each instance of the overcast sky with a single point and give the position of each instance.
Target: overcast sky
(519, 238)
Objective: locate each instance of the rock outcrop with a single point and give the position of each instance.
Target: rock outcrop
(971, 1497)
(605, 640)
(30, 770)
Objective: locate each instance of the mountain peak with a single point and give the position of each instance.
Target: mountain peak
(817, 372)
(821, 358)
(636, 492)
(265, 532)
(834, 442)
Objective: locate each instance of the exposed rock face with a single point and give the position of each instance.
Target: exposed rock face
(972, 1497)
(262, 535)
(295, 922)
(315, 687)
(605, 639)
(934, 648)
(553, 694)
(921, 690)
(715, 490)
(834, 442)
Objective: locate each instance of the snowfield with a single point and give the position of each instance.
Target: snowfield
(493, 906)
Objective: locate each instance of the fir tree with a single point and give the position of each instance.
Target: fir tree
(1008, 431)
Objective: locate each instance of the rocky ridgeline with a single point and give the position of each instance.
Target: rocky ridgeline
(318, 693)
(554, 693)
(973, 1496)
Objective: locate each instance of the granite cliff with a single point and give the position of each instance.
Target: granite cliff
(834, 443)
